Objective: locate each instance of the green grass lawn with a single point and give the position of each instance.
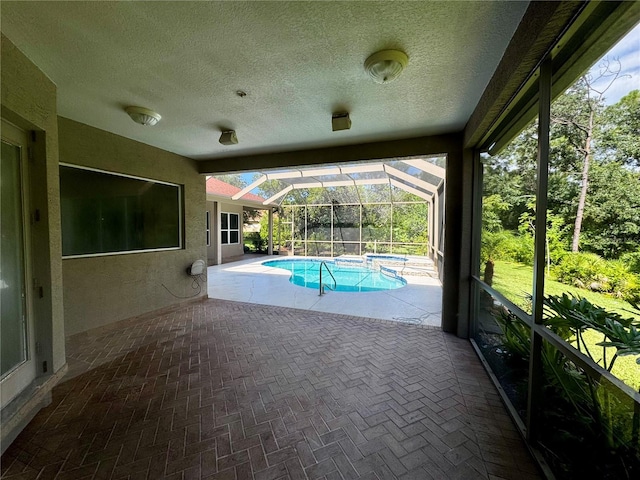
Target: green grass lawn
(515, 280)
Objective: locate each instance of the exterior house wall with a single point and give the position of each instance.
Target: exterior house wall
(29, 102)
(214, 236)
(104, 289)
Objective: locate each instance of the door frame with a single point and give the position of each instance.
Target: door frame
(21, 376)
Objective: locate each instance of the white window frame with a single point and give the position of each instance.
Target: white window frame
(229, 230)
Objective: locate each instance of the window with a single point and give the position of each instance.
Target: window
(229, 227)
(106, 213)
(556, 262)
(208, 229)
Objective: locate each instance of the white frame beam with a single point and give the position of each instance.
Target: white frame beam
(249, 187)
(394, 177)
(407, 188)
(427, 167)
(399, 174)
(282, 192)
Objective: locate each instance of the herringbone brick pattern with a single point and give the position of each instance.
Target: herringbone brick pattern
(226, 390)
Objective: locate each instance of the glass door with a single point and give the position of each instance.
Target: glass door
(17, 365)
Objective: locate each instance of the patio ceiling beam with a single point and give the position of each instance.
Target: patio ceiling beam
(373, 151)
(407, 188)
(250, 187)
(427, 167)
(394, 172)
(281, 193)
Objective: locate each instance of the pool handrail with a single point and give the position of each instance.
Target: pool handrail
(322, 285)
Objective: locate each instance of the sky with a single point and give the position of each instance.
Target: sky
(627, 51)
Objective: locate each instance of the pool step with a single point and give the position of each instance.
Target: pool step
(412, 266)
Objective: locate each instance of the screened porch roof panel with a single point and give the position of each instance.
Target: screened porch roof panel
(421, 177)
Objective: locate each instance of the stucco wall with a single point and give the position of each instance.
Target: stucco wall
(105, 289)
(212, 248)
(29, 101)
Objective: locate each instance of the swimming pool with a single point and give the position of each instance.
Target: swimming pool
(306, 273)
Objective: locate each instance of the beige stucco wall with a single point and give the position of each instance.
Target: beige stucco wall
(212, 248)
(105, 289)
(29, 101)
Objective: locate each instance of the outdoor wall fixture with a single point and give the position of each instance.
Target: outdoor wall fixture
(340, 121)
(228, 137)
(143, 116)
(386, 65)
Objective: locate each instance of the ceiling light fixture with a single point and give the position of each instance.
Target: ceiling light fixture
(386, 65)
(143, 116)
(228, 137)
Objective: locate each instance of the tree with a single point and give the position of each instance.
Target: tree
(493, 234)
(575, 116)
(612, 217)
(234, 179)
(621, 131)
(511, 175)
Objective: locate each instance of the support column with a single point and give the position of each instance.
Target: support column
(360, 232)
(217, 234)
(534, 398)
(270, 239)
(331, 230)
(458, 205)
(391, 231)
(436, 223)
(430, 228)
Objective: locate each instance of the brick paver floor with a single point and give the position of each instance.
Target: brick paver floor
(226, 390)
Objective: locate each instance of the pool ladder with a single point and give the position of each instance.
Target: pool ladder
(322, 284)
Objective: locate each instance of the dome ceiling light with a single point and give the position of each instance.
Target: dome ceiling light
(386, 65)
(143, 116)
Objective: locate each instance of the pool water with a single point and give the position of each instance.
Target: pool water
(349, 278)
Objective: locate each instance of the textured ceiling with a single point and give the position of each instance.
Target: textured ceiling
(297, 61)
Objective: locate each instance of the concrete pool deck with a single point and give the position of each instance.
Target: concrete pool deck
(247, 280)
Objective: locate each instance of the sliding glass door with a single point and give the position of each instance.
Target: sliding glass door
(17, 365)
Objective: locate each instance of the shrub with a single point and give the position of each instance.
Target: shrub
(588, 270)
(521, 249)
(619, 281)
(632, 260)
(632, 294)
(256, 241)
(584, 270)
(599, 438)
(507, 245)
